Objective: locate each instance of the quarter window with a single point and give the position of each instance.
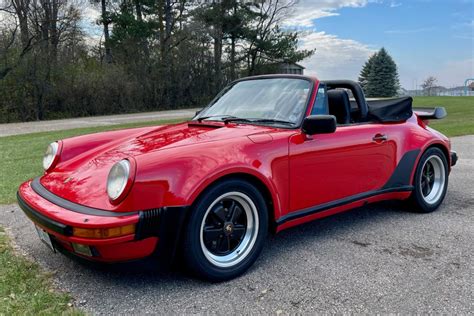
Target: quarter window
(320, 107)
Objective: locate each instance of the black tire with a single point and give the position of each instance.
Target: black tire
(424, 198)
(202, 251)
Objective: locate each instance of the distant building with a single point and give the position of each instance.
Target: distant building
(292, 69)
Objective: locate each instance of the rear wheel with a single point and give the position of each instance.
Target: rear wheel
(431, 181)
(226, 230)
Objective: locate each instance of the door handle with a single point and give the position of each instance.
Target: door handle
(380, 138)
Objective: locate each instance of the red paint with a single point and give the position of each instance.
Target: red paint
(174, 164)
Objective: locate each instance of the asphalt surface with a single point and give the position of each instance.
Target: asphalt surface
(56, 125)
(377, 259)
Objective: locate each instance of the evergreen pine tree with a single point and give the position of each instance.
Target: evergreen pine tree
(381, 76)
(365, 72)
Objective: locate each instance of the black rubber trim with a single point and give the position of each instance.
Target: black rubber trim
(341, 202)
(42, 220)
(167, 224)
(59, 201)
(454, 158)
(401, 176)
(148, 223)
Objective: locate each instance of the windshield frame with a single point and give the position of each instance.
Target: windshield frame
(297, 125)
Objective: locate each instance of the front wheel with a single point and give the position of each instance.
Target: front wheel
(431, 181)
(226, 230)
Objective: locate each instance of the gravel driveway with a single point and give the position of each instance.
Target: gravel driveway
(377, 259)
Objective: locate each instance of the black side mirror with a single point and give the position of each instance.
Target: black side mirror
(319, 124)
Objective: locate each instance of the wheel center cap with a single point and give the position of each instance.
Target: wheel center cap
(228, 228)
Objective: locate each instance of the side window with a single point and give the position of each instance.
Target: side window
(321, 105)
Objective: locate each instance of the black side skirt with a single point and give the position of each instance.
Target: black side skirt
(341, 202)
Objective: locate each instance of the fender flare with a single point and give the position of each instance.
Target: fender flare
(239, 171)
(434, 143)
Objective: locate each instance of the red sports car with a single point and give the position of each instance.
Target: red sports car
(268, 153)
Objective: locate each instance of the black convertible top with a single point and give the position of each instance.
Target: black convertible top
(391, 110)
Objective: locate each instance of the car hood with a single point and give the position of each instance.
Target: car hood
(82, 179)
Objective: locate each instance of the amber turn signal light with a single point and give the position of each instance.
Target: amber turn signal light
(100, 233)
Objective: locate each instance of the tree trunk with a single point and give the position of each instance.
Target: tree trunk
(138, 10)
(45, 25)
(232, 59)
(233, 39)
(218, 37)
(168, 18)
(105, 22)
(22, 8)
(53, 30)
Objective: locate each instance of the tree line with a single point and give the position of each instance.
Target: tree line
(151, 55)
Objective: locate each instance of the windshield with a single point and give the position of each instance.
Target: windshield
(273, 100)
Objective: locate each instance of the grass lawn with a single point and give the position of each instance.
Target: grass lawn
(25, 289)
(460, 119)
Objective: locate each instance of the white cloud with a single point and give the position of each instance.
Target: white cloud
(335, 58)
(395, 4)
(307, 11)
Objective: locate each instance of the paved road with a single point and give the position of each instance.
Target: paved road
(376, 259)
(56, 125)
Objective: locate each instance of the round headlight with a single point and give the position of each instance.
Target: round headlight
(50, 155)
(118, 179)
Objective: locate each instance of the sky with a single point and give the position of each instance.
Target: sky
(424, 37)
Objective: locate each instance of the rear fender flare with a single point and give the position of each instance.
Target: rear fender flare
(435, 143)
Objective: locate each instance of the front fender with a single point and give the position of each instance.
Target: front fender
(239, 171)
(177, 176)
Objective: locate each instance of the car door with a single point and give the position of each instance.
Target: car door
(325, 168)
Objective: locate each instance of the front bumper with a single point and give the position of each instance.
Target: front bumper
(454, 158)
(157, 231)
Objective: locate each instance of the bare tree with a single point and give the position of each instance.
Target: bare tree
(270, 15)
(22, 10)
(429, 84)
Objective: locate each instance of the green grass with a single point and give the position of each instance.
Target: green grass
(460, 119)
(25, 289)
(21, 155)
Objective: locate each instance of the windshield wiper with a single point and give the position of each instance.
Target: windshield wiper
(238, 119)
(213, 116)
(273, 121)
